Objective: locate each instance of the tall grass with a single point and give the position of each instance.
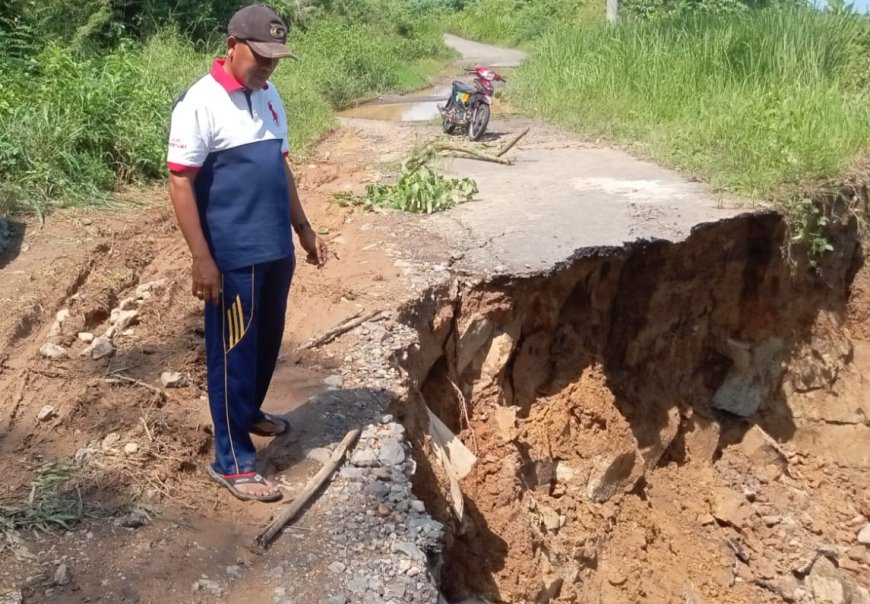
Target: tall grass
(753, 102)
(74, 124)
(520, 22)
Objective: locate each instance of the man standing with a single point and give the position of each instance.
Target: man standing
(235, 199)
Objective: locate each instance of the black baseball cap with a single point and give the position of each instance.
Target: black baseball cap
(263, 30)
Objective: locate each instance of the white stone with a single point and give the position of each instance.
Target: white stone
(53, 351)
(826, 583)
(12, 597)
(334, 381)
(147, 288)
(337, 567)
(131, 448)
(753, 376)
(172, 379)
(392, 452)
(864, 535)
(128, 304)
(46, 413)
(409, 549)
(125, 319)
(57, 326)
(364, 458)
(86, 337)
(62, 575)
(101, 347)
(110, 440)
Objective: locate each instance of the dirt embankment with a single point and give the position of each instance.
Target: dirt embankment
(605, 470)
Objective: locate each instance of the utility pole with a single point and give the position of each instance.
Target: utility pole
(612, 11)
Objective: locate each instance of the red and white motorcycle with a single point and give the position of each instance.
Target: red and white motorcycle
(470, 106)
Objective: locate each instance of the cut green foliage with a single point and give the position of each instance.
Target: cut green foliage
(420, 190)
(49, 506)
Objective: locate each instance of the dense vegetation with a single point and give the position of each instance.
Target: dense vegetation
(86, 88)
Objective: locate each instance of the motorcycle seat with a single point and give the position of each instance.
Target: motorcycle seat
(461, 87)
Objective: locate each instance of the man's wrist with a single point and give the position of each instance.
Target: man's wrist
(301, 227)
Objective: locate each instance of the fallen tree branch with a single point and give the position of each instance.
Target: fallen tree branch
(344, 327)
(264, 538)
(474, 154)
(510, 145)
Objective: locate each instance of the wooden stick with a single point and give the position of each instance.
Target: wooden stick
(473, 153)
(123, 379)
(344, 327)
(508, 147)
(264, 538)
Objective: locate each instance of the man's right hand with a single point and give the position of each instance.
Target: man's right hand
(206, 279)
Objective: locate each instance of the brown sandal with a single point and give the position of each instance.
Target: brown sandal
(282, 426)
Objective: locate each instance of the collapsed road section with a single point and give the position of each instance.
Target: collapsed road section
(657, 422)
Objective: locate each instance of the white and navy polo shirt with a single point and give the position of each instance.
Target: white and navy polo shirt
(236, 140)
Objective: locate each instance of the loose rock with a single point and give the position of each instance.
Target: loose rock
(110, 440)
(62, 576)
(172, 379)
(100, 347)
(46, 413)
(53, 351)
(826, 583)
(754, 374)
(320, 454)
(864, 535)
(14, 596)
(134, 519)
(392, 453)
(145, 289)
(212, 587)
(125, 319)
(409, 549)
(364, 458)
(86, 337)
(234, 572)
(334, 381)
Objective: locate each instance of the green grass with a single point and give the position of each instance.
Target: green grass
(520, 22)
(76, 124)
(761, 103)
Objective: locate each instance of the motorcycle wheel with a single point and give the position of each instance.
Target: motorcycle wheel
(447, 127)
(479, 121)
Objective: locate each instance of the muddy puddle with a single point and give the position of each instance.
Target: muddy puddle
(419, 107)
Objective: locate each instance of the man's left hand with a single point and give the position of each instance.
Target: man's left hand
(314, 246)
